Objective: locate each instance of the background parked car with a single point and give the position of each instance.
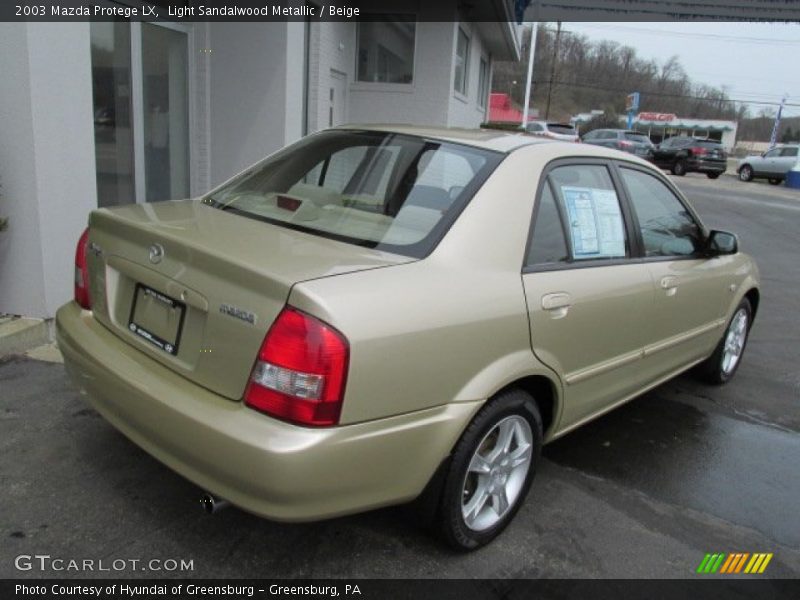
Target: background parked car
(683, 154)
(556, 131)
(621, 139)
(771, 165)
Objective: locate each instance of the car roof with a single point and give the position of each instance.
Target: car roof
(489, 139)
(500, 141)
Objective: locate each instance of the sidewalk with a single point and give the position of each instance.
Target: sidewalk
(32, 337)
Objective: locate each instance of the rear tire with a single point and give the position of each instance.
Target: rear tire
(746, 173)
(713, 175)
(491, 471)
(721, 366)
(679, 168)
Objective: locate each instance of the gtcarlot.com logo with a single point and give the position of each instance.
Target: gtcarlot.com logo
(736, 563)
(45, 562)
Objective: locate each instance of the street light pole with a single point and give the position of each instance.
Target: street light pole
(530, 75)
(552, 71)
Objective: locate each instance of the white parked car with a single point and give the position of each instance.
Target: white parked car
(771, 165)
(555, 131)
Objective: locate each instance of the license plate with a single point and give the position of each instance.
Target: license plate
(157, 318)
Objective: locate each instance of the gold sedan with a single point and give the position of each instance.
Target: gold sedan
(375, 315)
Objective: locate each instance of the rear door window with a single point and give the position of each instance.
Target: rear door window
(586, 201)
(548, 244)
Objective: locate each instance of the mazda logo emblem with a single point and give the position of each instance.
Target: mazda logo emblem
(156, 253)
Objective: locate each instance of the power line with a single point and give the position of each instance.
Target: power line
(661, 94)
(686, 34)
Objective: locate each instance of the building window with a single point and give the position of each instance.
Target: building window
(386, 50)
(483, 83)
(462, 62)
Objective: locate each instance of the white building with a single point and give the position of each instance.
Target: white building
(99, 114)
(659, 126)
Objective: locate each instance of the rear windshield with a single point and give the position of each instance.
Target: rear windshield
(638, 137)
(561, 129)
(387, 191)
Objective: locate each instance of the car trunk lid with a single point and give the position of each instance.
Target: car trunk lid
(197, 288)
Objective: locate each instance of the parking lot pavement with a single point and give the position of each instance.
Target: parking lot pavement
(644, 491)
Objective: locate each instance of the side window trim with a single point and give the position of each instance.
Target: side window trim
(634, 219)
(634, 247)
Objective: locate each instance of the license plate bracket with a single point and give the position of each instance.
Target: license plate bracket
(157, 318)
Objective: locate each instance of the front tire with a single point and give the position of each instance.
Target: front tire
(721, 366)
(746, 173)
(679, 168)
(491, 471)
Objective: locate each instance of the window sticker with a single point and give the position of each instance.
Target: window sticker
(595, 222)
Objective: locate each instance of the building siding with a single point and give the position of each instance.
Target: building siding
(47, 161)
(248, 93)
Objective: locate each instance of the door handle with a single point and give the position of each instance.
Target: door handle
(669, 284)
(555, 301)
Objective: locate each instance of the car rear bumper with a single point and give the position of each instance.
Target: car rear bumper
(263, 465)
(709, 166)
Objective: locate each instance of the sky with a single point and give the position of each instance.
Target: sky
(751, 61)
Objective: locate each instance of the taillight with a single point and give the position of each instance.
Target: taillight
(301, 371)
(82, 272)
(623, 144)
(698, 151)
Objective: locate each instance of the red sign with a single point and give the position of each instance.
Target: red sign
(651, 116)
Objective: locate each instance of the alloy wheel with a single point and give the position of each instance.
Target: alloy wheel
(496, 473)
(734, 341)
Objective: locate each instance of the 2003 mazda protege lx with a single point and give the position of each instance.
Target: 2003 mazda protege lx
(376, 314)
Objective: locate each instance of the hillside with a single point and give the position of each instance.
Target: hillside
(590, 75)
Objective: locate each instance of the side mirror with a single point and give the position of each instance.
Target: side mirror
(721, 243)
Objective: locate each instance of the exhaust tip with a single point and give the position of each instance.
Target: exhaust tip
(212, 505)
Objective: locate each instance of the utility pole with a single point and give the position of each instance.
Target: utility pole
(530, 74)
(552, 71)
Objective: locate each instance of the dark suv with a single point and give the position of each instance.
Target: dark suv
(683, 154)
(621, 139)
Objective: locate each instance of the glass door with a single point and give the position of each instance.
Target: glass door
(113, 133)
(140, 75)
(165, 104)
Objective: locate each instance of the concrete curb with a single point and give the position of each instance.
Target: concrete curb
(20, 334)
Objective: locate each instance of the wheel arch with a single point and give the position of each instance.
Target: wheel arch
(520, 369)
(754, 297)
(545, 393)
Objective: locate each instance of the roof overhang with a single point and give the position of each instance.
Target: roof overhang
(498, 28)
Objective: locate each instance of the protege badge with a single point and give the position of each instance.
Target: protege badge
(238, 313)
